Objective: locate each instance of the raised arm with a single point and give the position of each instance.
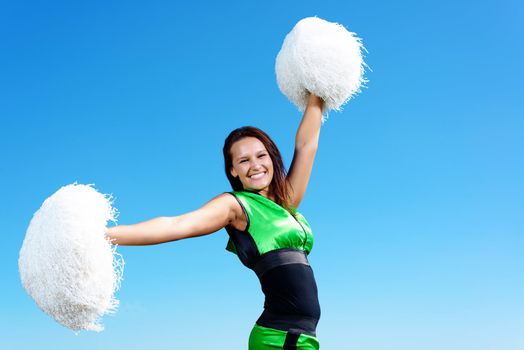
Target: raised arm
(214, 215)
(306, 144)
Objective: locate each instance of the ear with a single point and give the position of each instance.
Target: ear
(233, 172)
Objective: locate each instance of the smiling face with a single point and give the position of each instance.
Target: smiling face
(252, 164)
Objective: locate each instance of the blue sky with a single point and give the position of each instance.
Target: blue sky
(415, 199)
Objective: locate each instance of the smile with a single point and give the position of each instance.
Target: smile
(258, 176)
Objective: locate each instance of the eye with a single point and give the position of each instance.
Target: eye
(262, 155)
(242, 161)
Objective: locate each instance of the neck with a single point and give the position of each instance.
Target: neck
(263, 192)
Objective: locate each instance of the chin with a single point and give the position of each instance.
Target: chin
(257, 187)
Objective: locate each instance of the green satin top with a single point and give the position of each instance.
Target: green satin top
(271, 226)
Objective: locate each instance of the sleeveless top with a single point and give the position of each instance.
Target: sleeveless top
(269, 227)
(272, 233)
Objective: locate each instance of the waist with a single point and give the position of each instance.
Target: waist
(279, 257)
(291, 296)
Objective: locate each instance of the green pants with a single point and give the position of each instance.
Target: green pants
(263, 338)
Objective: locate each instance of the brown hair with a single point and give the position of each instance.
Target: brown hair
(279, 185)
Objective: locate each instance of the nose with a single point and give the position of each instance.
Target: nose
(256, 165)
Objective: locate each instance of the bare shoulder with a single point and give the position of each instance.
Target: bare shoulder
(238, 218)
(227, 201)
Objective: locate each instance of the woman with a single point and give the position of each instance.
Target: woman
(265, 230)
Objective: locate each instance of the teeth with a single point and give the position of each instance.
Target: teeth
(257, 176)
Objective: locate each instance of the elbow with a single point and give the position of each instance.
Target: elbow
(307, 147)
(167, 230)
(307, 143)
(172, 232)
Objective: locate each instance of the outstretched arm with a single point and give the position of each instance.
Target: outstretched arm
(213, 216)
(306, 144)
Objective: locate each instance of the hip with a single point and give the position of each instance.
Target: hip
(266, 338)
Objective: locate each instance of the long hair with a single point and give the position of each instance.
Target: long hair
(278, 187)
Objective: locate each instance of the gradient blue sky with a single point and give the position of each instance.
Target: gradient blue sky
(416, 198)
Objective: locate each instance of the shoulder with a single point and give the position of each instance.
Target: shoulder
(225, 198)
(229, 202)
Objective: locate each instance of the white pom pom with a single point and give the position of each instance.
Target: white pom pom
(66, 264)
(323, 58)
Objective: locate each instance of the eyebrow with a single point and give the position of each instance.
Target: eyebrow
(257, 152)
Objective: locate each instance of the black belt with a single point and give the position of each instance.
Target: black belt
(279, 257)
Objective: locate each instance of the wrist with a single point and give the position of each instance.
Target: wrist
(314, 100)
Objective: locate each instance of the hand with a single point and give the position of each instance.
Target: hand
(108, 235)
(314, 100)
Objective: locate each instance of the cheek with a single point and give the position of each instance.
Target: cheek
(243, 169)
(239, 170)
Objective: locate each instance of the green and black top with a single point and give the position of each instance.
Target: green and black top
(271, 226)
(275, 244)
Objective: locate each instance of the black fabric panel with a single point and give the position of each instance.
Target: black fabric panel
(287, 322)
(245, 245)
(291, 289)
